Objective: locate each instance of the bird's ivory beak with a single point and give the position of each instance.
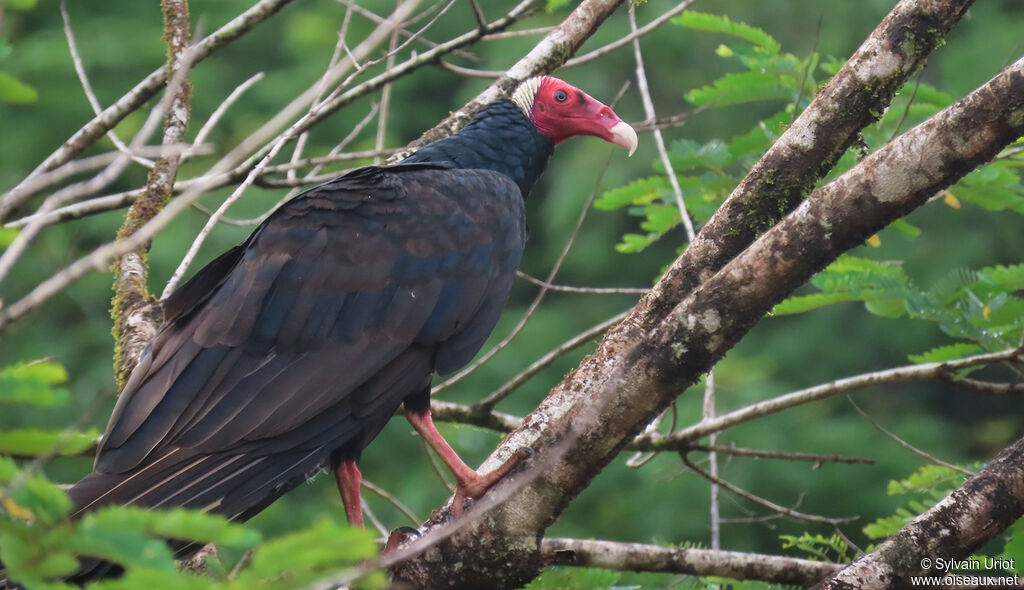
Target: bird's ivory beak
(624, 136)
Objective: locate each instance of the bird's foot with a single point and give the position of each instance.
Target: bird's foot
(397, 538)
(473, 485)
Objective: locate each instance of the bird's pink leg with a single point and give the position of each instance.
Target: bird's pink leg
(470, 484)
(349, 479)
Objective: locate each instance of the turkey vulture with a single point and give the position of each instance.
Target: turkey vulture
(289, 353)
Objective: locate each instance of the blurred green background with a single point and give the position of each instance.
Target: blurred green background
(120, 44)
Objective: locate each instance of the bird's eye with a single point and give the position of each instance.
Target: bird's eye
(561, 96)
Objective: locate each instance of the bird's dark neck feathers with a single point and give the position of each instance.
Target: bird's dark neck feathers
(499, 138)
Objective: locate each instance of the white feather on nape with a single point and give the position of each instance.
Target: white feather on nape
(527, 91)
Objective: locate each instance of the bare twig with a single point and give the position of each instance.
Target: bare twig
(840, 386)
(762, 501)
(593, 290)
(87, 87)
(138, 96)
(393, 500)
(487, 404)
(951, 530)
(222, 108)
(708, 413)
(919, 452)
(659, 141)
(108, 175)
(632, 36)
(983, 387)
(784, 455)
(639, 557)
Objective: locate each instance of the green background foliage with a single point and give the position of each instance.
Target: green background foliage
(944, 283)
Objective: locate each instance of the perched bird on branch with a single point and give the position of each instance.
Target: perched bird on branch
(289, 353)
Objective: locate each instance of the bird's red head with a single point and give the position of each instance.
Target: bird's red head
(559, 111)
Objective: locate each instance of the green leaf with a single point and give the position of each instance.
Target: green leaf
(208, 528)
(7, 235)
(946, 353)
(743, 87)
(15, 91)
(32, 384)
(886, 307)
(33, 441)
(36, 499)
(118, 534)
(802, 303)
(927, 94)
(638, 192)
(20, 4)
(686, 154)
(1014, 549)
(561, 578)
(703, 21)
(1010, 278)
(927, 478)
(905, 228)
(554, 5)
(186, 525)
(141, 577)
(632, 243)
(760, 137)
(299, 557)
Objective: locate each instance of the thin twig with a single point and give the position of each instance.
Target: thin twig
(784, 455)
(89, 163)
(519, 33)
(372, 517)
(622, 42)
(762, 501)
(659, 141)
(592, 290)
(825, 390)
(222, 108)
(906, 111)
(76, 59)
(487, 404)
(438, 470)
(378, 19)
(905, 444)
(136, 98)
(470, 72)
(708, 413)
(385, 99)
(393, 500)
(108, 175)
(984, 387)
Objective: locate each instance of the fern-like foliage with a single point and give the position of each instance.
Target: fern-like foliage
(980, 308)
(41, 544)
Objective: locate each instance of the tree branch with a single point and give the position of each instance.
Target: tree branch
(952, 529)
(132, 309)
(595, 411)
(638, 557)
(136, 97)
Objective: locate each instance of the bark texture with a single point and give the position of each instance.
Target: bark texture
(596, 410)
(952, 529)
(134, 311)
(640, 557)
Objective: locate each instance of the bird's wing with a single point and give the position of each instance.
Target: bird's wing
(325, 295)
